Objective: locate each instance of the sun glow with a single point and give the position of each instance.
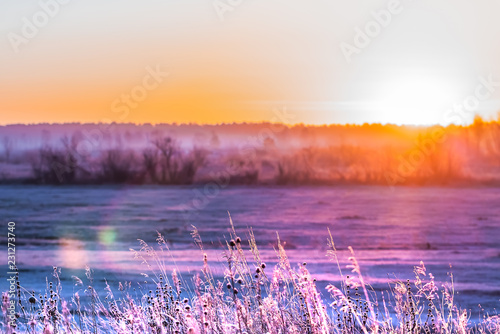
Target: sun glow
(413, 98)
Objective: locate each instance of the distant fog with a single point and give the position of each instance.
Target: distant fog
(261, 153)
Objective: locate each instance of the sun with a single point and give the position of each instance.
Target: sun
(413, 97)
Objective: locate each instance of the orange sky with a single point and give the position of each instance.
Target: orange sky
(81, 65)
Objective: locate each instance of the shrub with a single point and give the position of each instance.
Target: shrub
(117, 166)
(252, 297)
(53, 166)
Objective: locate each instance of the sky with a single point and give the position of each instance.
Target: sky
(215, 61)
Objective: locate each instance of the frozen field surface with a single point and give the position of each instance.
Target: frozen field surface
(451, 229)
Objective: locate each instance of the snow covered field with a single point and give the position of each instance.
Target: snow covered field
(451, 229)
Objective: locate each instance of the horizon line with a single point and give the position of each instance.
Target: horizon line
(290, 125)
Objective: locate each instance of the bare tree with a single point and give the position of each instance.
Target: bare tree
(169, 164)
(117, 166)
(150, 157)
(166, 163)
(190, 165)
(7, 147)
(53, 166)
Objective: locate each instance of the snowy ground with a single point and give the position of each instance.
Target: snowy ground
(390, 230)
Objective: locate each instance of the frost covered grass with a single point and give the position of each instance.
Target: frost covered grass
(252, 297)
